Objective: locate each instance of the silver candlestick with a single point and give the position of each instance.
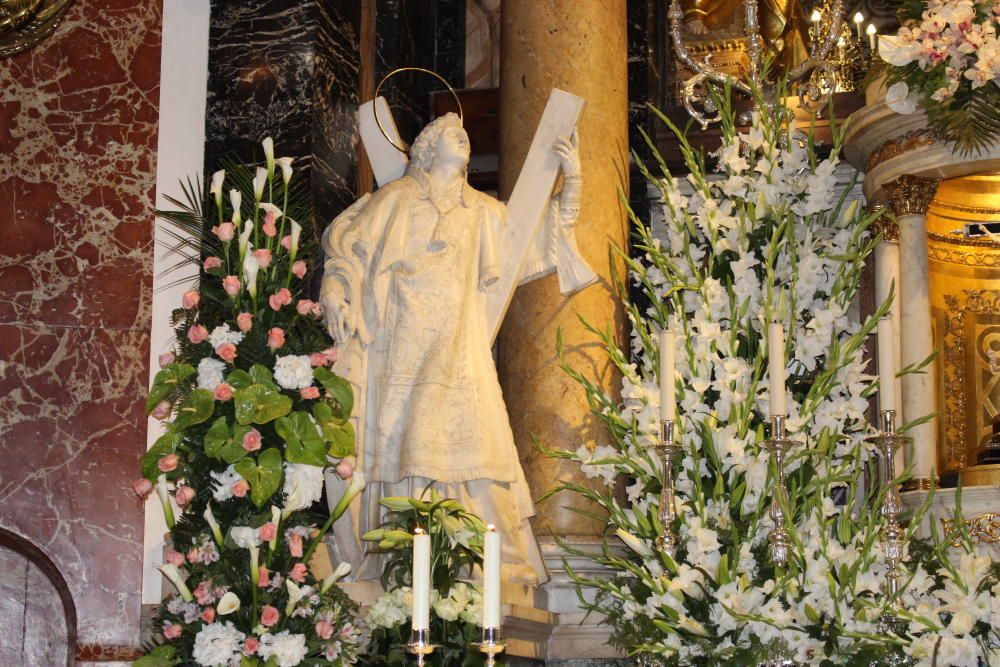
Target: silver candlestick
(888, 441)
(491, 645)
(420, 645)
(666, 541)
(778, 445)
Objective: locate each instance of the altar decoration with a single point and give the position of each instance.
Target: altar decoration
(254, 418)
(454, 610)
(945, 59)
(738, 556)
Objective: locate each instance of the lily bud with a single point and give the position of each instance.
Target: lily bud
(258, 183)
(633, 543)
(213, 524)
(174, 575)
(286, 168)
(342, 571)
(216, 189)
(161, 491)
(236, 199)
(269, 155)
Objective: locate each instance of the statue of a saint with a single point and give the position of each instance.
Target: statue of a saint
(783, 25)
(404, 296)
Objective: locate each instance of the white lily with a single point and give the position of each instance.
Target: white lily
(246, 537)
(286, 168)
(271, 208)
(342, 571)
(245, 238)
(236, 199)
(899, 99)
(229, 603)
(258, 183)
(216, 189)
(276, 520)
(296, 232)
(269, 155)
(164, 495)
(634, 543)
(213, 524)
(250, 268)
(171, 572)
(294, 595)
(354, 487)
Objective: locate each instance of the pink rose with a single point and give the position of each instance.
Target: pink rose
(231, 284)
(166, 359)
(346, 467)
(194, 555)
(286, 242)
(190, 299)
(282, 298)
(331, 355)
(309, 393)
(223, 392)
(317, 309)
(268, 531)
(268, 616)
(251, 645)
(226, 231)
(197, 334)
(251, 440)
(275, 338)
(304, 306)
(175, 558)
(263, 577)
(263, 257)
(298, 573)
(295, 545)
(203, 593)
(142, 487)
(324, 629)
(268, 227)
(208, 616)
(226, 352)
(171, 630)
(211, 263)
(167, 463)
(299, 269)
(317, 359)
(240, 488)
(161, 411)
(244, 321)
(184, 495)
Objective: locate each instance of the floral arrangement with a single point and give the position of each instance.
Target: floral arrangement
(456, 606)
(765, 239)
(254, 418)
(946, 59)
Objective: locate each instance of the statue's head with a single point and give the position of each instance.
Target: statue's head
(444, 139)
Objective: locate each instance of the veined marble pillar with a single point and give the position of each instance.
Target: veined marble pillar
(886, 282)
(578, 46)
(909, 197)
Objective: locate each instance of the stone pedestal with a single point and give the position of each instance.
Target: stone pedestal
(580, 47)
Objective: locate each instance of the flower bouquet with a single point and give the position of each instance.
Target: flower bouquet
(253, 418)
(764, 239)
(946, 59)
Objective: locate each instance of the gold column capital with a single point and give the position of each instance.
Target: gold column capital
(886, 227)
(911, 195)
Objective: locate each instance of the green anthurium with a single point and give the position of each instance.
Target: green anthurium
(305, 444)
(260, 404)
(339, 388)
(263, 475)
(165, 444)
(224, 443)
(239, 379)
(338, 432)
(196, 408)
(166, 382)
(161, 656)
(261, 375)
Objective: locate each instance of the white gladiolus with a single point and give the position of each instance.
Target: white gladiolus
(174, 575)
(213, 524)
(236, 199)
(342, 571)
(216, 189)
(634, 543)
(259, 180)
(229, 603)
(251, 267)
(268, 144)
(286, 168)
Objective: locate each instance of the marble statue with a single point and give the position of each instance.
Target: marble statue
(406, 270)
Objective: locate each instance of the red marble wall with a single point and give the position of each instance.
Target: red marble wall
(78, 134)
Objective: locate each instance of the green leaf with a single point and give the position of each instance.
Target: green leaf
(338, 432)
(161, 656)
(221, 443)
(195, 409)
(165, 444)
(260, 404)
(339, 388)
(239, 379)
(305, 445)
(166, 382)
(261, 375)
(263, 475)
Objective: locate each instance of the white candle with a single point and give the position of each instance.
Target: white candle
(668, 400)
(776, 368)
(859, 18)
(871, 36)
(421, 580)
(491, 578)
(886, 366)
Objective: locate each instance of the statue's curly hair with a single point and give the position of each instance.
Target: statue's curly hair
(422, 151)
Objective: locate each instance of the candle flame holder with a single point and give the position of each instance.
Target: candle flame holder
(491, 645)
(778, 445)
(667, 450)
(420, 645)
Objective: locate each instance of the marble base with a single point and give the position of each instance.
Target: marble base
(977, 503)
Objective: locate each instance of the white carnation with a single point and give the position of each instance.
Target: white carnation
(222, 334)
(217, 644)
(287, 649)
(225, 481)
(303, 486)
(245, 536)
(210, 373)
(293, 371)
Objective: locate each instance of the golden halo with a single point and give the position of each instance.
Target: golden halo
(399, 70)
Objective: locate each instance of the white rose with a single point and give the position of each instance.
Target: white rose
(898, 99)
(448, 609)
(293, 371)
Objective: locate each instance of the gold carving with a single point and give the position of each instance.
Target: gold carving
(887, 228)
(962, 257)
(911, 195)
(959, 240)
(917, 484)
(901, 144)
(24, 23)
(982, 529)
(979, 210)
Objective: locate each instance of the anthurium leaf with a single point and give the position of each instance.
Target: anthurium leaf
(196, 408)
(261, 375)
(166, 382)
(260, 404)
(305, 445)
(342, 442)
(239, 379)
(339, 388)
(223, 443)
(161, 656)
(165, 444)
(263, 475)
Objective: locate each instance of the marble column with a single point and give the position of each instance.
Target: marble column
(886, 284)
(909, 197)
(578, 46)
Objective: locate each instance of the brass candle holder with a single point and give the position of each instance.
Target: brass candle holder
(420, 645)
(491, 645)
(778, 445)
(667, 450)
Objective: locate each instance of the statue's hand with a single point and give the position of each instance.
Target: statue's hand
(339, 317)
(696, 26)
(567, 149)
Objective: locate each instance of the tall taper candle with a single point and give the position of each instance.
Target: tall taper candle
(491, 578)
(421, 580)
(886, 365)
(668, 399)
(776, 368)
